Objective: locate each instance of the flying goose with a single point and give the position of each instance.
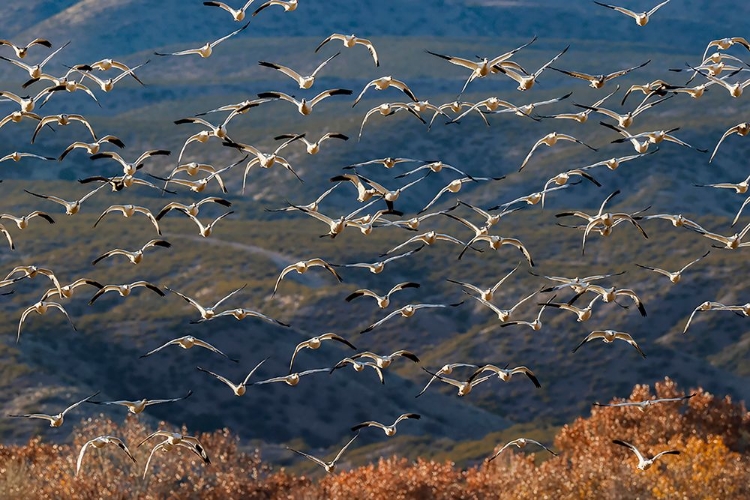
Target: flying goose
(315, 343)
(262, 159)
(350, 41)
(313, 148)
(624, 120)
(525, 82)
(109, 83)
(288, 5)
(485, 293)
(741, 129)
(464, 387)
(56, 420)
(304, 106)
(237, 14)
(131, 168)
(383, 83)
(455, 186)
(22, 50)
(302, 267)
(715, 306)
(66, 291)
(390, 430)
(207, 49)
(384, 361)
(609, 336)
(238, 389)
(407, 311)
(137, 406)
(387, 109)
(187, 342)
(582, 116)
(503, 315)
(92, 147)
(206, 312)
(505, 374)
(16, 156)
(535, 325)
(304, 81)
(550, 140)
(645, 463)
(101, 442)
(642, 405)
(172, 441)
(387, 162)
(328, 466)
(519, 443)
(62, 120)
(192, 208)
(23, 221)
(206, 230)
(129, 211)
(445, 370)
(582, 313)
(641, 18)
(674, 277)
(34, 70)
(34, 271)
(377, 267)
(598, 81)
(125, 289)
(725, 43)
(135, 257)
(384, 300)
(292, 379)
(359, 366)
(730, 242)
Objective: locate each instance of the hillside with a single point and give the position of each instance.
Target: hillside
(53, 364)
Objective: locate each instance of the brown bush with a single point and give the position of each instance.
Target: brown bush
(710, 432)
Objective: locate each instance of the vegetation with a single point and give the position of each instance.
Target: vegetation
(710, 433)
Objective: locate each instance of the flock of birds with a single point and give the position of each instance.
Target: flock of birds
(378, 209)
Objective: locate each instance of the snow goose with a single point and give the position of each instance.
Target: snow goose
(390, 430)
(188, 342)
(486, 293)
(741, 129)
(384, 300)
(237, 14)
(505, 374)
(129, 211)
(550, 140)
(34, 70)
(642, 405)
(238, 389)
(313, 148)
(304, 81)
(125, 289)
(525, 82)
(328, 466)
(66, 291)
(131, 168)
(192, 208)
(23, 221)
(137, 406)
(56, 420)
(675, 276)
(643, 462)
(503, 315)
(641, 18)
(519, 443)
(377, 267)
(350, 41)
(288, 5)
(407, 311)
(205, 50)
(598, 81)
(207, 312)
(609, 336)
(383, 83)
(446, 369)
(315, 343)
(302, 267)
(62, 120)
(101, 442)
(22, 50)
(304, 106)
(91, 148)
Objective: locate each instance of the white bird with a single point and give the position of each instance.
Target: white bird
(207, 313)
(390, 430)
(735, 89)
(615, 162)
(725, 43)
(292, 379)
(377, 267)
(22, 50)
(359, 366)
(505, 374)
(624, 120)
(582, 116)
(56, 420)
(525, 82)
(23, 221)
(643, 462)
(188, 342)
(382, 300)
(302, 267)
(192, 208)
(313, 147)
(609, 336)
(519, 443)
(207, 49)
(109, 83)
(237, 14)
(641, 18)
(131, 168)
(610, 294)
(550, 140)
(486, 293)
(175, 440)
(315, 343)
(383, 83)
(388, 162)
(445, 370)
(674, 277)
(350, 41)
(62, 120)
(464, 387)
(730, 242)
(384, 361)
(304, 106)
(484, 66)
(535, 325)
(337, 225)
(241, 313)
(288, 5)
(66, 291)
(328, 466)
(642, 405)
(16, 156)
(432, 166)
(304, 81)
(238, 389)
(261, 159)
(92, 147)
(137, 406)
(407, 311)
(704, 306)
(503, 315)
(206, 230)
(34, 70)
(387, 109)
(741, 129)
(194, 168)
(25, 105)
(125, 289)
(218, 131)
(129, 211)
(135, 257)
(582, 313)
(598, 81)
(101, 442)
(455, 186)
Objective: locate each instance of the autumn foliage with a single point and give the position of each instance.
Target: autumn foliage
(711, 434)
